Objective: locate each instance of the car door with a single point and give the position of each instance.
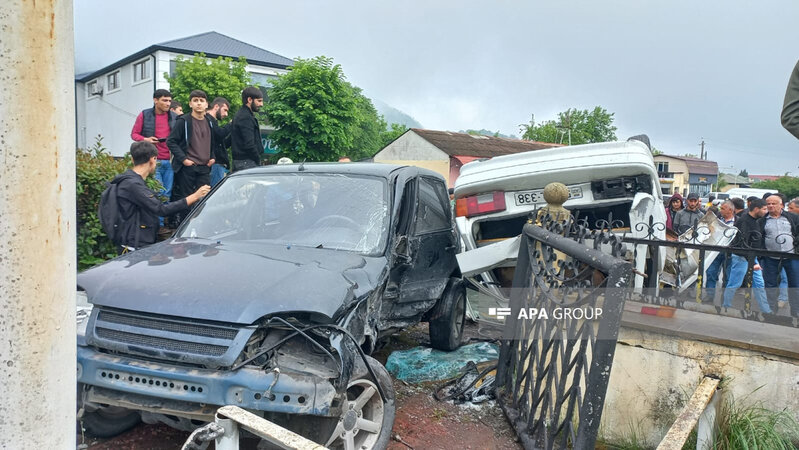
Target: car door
(431, 245)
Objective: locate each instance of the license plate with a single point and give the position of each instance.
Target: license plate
(537, 196)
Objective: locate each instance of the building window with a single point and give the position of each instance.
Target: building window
(92, 88)
(663, 167)
(141, 71)
(701, 189)
(262, 80)
(113, 81)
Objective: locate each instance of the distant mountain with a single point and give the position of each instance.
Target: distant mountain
(485, 132)
(393, 115)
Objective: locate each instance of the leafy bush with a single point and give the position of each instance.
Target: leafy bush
(94, 167)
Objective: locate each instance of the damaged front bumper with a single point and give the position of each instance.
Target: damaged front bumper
(196, 393)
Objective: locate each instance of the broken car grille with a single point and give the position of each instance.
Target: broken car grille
(161, 343)
(206, 343)
(166, 325)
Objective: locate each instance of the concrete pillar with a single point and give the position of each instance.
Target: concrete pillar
(37, 225)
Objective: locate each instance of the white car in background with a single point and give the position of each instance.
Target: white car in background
(495, 197)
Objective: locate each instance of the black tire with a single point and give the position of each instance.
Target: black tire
(374, 408)
(449, 316)
(110, 421)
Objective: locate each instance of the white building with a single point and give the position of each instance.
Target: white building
(108, 100)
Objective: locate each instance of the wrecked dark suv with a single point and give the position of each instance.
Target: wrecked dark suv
(269, 297)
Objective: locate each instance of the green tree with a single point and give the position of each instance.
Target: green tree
(743, 173)
(315, 111)
(367, 129)
(786, 185)
(220, 77)
(721, 183)
(573, 127)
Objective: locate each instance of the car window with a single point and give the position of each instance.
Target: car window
(431, 214)
(330, 211)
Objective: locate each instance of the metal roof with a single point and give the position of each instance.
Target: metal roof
(463, 144)
(213, 44)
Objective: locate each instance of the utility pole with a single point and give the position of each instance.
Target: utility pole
(37, 229)
(702, 154)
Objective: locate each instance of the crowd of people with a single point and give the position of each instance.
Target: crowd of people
(771, 224)
(187, 154)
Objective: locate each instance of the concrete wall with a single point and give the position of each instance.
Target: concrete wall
(410, 149)
(680, 170)
(654, 375)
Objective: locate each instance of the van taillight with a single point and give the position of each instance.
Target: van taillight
(475, 205)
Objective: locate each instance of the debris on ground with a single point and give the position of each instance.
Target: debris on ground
(475, 385)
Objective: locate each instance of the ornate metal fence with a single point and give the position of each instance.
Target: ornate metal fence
(688, 272)
(554, 369)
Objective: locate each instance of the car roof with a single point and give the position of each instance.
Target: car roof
(355, 168)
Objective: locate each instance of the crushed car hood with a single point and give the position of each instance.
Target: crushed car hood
(236, 282)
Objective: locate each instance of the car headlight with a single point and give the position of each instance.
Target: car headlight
(84, 310)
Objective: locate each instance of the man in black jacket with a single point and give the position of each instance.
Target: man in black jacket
(246, 134)
(218, 111)
(749, 236)
(192, 142)
(138, 205)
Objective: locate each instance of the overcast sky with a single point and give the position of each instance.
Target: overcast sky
(679, 71)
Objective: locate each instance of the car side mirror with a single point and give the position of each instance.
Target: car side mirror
(401, 250)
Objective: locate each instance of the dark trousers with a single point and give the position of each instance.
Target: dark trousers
(187, 180)
(241, 164)
(771, 277)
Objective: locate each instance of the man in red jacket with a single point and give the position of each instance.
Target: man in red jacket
(153, 125)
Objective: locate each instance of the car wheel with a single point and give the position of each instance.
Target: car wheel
(446, 323)
(366, 420)
(109, 421)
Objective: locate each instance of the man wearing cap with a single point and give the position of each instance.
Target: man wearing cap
(687, 218)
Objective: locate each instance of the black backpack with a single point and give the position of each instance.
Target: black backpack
(110, 218)
(108, 213)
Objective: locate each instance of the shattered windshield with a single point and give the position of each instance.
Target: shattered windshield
(332, 211)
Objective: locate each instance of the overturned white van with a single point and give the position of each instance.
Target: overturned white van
(494, 199)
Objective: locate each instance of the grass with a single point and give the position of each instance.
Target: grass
(754, 427)
(741, 426)
(633, 439)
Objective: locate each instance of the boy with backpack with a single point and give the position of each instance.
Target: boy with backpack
(129, 210)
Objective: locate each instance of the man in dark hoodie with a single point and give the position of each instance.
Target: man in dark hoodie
(138, 205)
(192, 143)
